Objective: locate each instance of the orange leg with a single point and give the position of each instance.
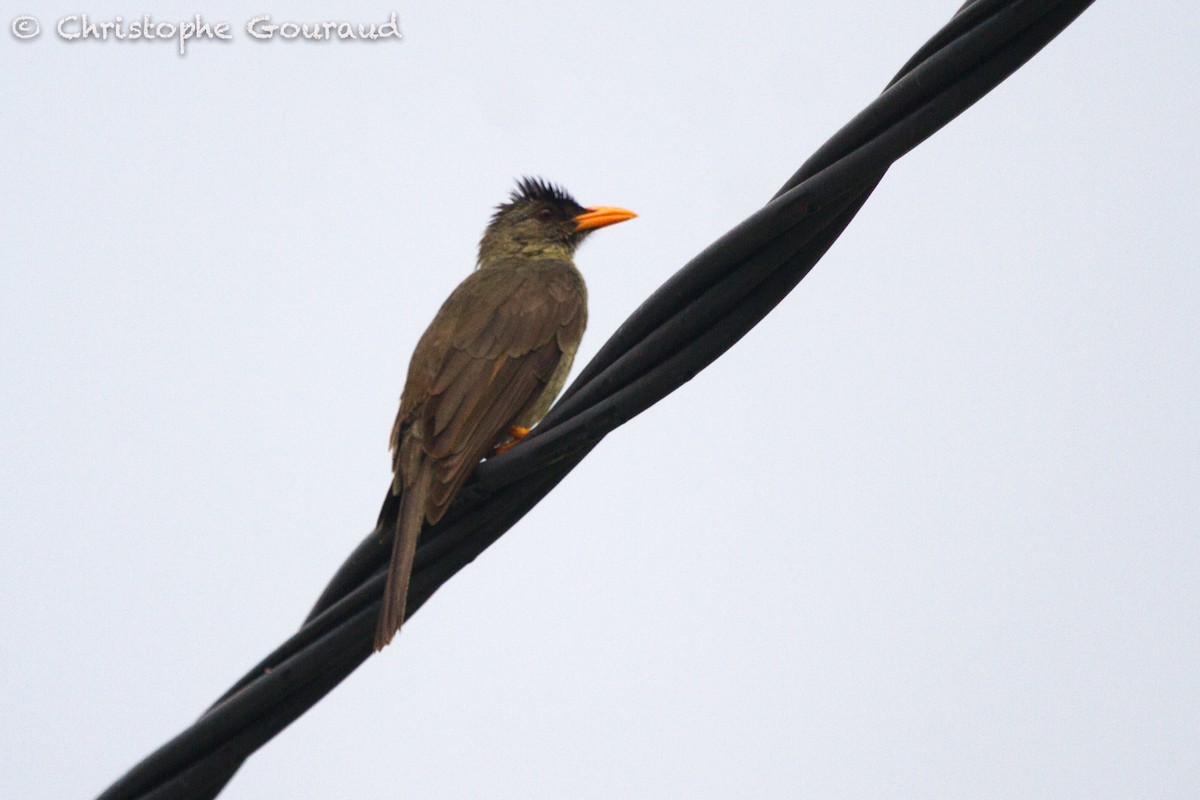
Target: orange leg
(517, 433)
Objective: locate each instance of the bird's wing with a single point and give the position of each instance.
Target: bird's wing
(491, 352)
(485, 359)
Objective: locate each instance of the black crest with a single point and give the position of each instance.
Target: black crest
(539, 189)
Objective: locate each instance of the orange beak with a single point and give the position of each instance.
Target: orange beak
(599, 216)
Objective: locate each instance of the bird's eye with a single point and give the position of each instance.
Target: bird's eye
(545, 214)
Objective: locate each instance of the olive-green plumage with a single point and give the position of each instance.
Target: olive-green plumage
(495, 356)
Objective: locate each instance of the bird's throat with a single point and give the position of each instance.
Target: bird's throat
(505, 252)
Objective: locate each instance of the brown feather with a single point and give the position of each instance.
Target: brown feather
(408, 531)
(489, 360)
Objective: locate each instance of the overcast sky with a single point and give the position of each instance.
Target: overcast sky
(931, 530)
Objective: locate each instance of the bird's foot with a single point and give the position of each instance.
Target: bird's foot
(517, 433)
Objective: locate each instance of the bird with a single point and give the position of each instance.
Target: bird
(489, 366)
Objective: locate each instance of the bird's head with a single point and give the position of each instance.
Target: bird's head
(540, 220)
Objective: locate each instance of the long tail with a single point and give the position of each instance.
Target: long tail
(408, 531)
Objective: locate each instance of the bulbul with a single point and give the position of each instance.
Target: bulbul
(489, 365)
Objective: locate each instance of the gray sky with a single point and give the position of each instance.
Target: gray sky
(929, 531)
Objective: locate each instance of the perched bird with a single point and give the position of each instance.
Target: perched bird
(489, 365)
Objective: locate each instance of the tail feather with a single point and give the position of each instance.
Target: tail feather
(408, 531)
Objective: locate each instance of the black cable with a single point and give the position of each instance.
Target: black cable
(686, 324)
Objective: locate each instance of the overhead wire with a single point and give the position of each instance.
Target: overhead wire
(697, 314)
